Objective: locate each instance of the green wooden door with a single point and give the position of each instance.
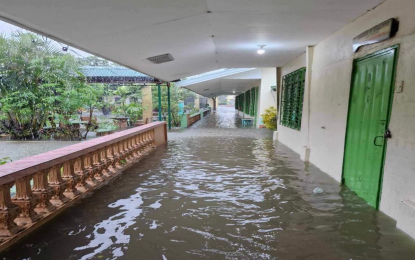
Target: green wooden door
(368, 118)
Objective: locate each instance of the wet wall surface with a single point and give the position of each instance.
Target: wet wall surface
(219, 192)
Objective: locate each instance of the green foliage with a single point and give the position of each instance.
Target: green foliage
(38, 84)
(134, 111)
(177, 94)
(107, 125)
(270, 118)
(5, 160)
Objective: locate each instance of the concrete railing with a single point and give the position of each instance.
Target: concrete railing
(49, 182)
(188, 119)
(193, 119)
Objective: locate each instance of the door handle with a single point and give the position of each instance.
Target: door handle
(376, 138)
(387, 134)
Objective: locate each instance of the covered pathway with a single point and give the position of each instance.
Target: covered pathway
(218, 191)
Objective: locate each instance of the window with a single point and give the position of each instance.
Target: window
(247, 102)
(292, 99)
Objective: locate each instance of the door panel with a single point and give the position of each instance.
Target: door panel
(367, 121)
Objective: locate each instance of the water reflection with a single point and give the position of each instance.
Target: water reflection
(219, 193)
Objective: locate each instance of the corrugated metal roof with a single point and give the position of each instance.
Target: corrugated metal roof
(98, 71)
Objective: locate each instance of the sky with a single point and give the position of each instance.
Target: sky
(7, 29)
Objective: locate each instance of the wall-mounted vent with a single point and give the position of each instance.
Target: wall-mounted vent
(161, 58)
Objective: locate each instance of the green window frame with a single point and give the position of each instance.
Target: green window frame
(292, 97)
(248, 102)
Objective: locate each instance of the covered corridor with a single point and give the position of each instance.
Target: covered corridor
(218, 191)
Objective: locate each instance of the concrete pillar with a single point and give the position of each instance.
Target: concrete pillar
(147, 103)
(197, 102)
(266, 96)
(305, 120)
(210, 102)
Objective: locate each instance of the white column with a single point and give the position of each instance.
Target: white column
(267, 97)
(305, 120)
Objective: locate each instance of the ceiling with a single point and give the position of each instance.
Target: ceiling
(235, 82)
(201, 35)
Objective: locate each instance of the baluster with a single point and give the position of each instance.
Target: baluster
(42, 190)
(110, 159)
(8, 212)
(135, 145)
(140, 145)
(153, 138)
(117, 155)
(58, 184)
(27, 202)
(102, 155)
(123, 150)
(143, 142)
(142, 150)
(84, 173)
(96, 167)
(71, 179)
(130, 149)
(147, 141)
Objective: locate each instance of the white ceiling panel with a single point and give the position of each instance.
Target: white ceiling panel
(201, 35)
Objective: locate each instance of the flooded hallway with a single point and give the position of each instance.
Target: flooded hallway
(206, 129)
(219, 191)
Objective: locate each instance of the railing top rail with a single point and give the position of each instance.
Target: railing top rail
(23, 167)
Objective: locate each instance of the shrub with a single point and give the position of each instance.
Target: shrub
(5, 160)
(270, 118)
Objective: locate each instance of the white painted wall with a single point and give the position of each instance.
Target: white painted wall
(267, 97)
(330, 87)
(210, 102)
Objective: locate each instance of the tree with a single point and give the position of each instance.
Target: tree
(38, 84)
(92, 98)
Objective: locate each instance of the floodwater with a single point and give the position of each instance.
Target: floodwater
(219, 192)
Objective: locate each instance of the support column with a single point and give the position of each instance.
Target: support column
(267, 96)
(159, 99)
(197, 102)
(168, 104)
(147, 103)
(214, 103)
(210, 102)
(305, 121)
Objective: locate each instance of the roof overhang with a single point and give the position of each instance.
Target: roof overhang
(201, 35)
(223, 82)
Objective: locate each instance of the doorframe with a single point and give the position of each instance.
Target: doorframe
(395, 48)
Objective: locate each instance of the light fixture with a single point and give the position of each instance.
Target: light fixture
(233, 92)
(261, 49)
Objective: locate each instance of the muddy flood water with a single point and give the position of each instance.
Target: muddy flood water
(219, 191)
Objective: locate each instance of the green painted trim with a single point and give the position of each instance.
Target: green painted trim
(376, 54)
(183, 120)
(292, 107)
(159, 99)
(168, 105)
